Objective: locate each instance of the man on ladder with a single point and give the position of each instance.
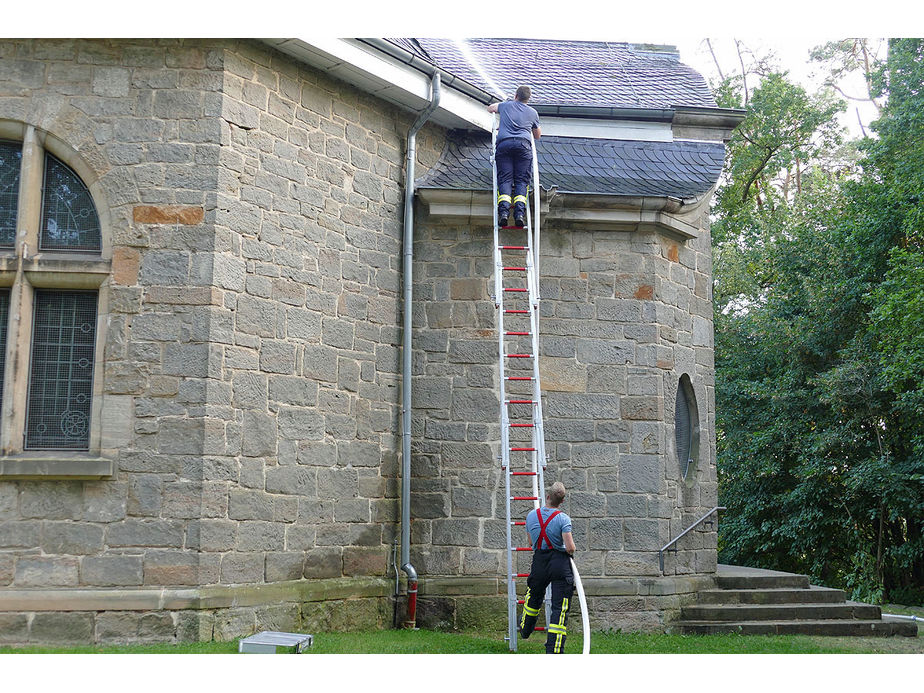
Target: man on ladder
(553, 546)
(514, 154)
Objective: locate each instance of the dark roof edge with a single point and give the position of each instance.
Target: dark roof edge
(447, 78)
(663, 115)
(727, 116)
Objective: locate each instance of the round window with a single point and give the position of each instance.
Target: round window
(686, 428)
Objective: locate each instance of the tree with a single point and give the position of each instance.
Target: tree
(819, 361)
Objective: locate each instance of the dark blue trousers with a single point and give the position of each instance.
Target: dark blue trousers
(549, 566)
(514, 157)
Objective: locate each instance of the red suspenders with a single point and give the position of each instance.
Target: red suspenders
(542, 526)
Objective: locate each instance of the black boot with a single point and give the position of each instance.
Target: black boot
(519, 221)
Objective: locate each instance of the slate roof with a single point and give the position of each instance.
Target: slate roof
(583, 165)
(571, 73)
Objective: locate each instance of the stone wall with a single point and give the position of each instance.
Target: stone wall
(250, 350)
(623, 316)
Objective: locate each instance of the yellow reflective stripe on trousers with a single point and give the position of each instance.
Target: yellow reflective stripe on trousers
(559, 628)
(503, 198)
(527, 611)
(520, 198)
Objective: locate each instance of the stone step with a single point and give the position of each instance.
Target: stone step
(806, 627)
(769, 581)
(780, 612)
(774, 595)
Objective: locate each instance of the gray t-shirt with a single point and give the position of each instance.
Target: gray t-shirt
(517, 119)
(560, 523)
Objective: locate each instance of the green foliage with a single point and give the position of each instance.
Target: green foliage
(819, 349)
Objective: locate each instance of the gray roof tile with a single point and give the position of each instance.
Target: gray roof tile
(576, 164)
(571, 73)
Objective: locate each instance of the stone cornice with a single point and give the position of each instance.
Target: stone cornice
(225, 596)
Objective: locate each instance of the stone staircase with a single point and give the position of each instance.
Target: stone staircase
(752, 601)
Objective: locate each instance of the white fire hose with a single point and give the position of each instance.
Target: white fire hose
(585, 620)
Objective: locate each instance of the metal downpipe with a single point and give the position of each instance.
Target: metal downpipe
(407, 351)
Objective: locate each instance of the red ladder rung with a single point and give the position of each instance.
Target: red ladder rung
(523, 548)
(524, 497)
(509, 288)
(515, 269)
(539, 629)
(521, 575)
(517, 334)
(519, 523)
(522, 425)
(512, 228)
(522, 449)
(514, 247)
(519, 356)
(519, 377)
(516, 311)
(521, 601)
(523, 473)
(520, 401)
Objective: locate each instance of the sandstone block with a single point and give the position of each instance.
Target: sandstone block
(171, 568)
(326, 562)
(44, 571)
(55, 627)
(109, 571)
(72, 538)
(359, 560)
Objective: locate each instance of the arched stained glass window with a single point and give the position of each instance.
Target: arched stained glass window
(10, 163)
(69, 218)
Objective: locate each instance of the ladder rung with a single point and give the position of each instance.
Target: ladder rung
(521, 601)
(521, 575)
(517, 334)
(514, 247)
(523, 473)
(520, 401)
(524, 497)
(522, 449)
(539, 629)
(522, 425)
(515, 269)
(518, 311)
(515, 289)
(519, 356)
(519, 377)
(519, 523)
(523, 548)
(512, 228)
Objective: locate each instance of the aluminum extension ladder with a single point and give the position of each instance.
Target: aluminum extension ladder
(516, 297)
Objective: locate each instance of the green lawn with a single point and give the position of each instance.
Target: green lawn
(431, 642)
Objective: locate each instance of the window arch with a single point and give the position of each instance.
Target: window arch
(52, 267)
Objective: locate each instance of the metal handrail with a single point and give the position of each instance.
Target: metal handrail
(673, 541)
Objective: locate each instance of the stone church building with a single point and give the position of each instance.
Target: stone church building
(201, 309)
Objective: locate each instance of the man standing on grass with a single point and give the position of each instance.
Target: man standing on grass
(553, 546)
(519, 123)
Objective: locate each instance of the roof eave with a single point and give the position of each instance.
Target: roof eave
(588, 211)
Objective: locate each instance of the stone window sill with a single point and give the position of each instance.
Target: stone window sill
(55, 466)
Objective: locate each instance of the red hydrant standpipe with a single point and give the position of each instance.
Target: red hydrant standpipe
(411, 621)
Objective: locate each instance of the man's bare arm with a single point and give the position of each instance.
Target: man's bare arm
(492, 108)
(537, 133)
(569, 542)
